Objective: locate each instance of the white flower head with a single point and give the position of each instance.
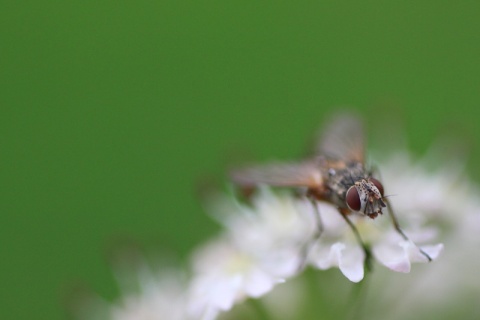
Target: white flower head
(159, 295)
(261, 248)
(450, 202)
(338, 246)
(226, 275)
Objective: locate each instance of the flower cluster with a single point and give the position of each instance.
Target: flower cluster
(260, 248)
(268, 240)
(161, 295)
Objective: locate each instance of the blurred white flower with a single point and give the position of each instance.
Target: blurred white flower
(447, 199)
(160, 295)
(226, 275)
(271, 220)
(264, 243)
(261, 248)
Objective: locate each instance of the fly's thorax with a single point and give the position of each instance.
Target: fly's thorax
(339, 180)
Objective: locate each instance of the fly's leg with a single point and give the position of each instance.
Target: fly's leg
(366, 248)
(316, 235)
(400, 231)
(318, 219)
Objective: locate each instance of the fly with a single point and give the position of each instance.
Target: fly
(336, 174)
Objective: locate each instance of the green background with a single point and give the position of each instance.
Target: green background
(113, 111)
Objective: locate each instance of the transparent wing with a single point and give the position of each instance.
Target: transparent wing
(342, 139)
(305, 174)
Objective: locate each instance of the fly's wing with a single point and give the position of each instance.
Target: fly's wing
(304, 174)
(342, 139)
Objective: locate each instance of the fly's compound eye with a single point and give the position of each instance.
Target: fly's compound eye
(377, 184)
(353, 199)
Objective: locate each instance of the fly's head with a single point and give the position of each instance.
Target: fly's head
(365, 196)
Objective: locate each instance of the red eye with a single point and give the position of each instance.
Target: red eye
(353, 199)
(377, 184)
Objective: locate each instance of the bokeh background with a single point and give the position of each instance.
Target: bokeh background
(111, 112)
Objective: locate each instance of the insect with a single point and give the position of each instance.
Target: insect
(336, 174)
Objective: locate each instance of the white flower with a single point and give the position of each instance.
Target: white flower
(261, 248)
(272, 220)
(224, 276)
(264, 243)
(338, 247)
(452, 285)
(160, 295)
(147, 294)
(335, 248)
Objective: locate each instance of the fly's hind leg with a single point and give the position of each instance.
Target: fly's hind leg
(396, 225)
(365, 247)
(318, 219)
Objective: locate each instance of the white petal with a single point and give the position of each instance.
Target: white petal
(348, 258)
(432, 251)
(213, 293)
(258, 283)
(394, 257)
(224, 294)
(400, 256)
(351, 262)
(282, 263)
(324, 256)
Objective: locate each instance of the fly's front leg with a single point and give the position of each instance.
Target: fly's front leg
(365, 247)
(400, 231)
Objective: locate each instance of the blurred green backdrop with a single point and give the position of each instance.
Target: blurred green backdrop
(111, 111)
